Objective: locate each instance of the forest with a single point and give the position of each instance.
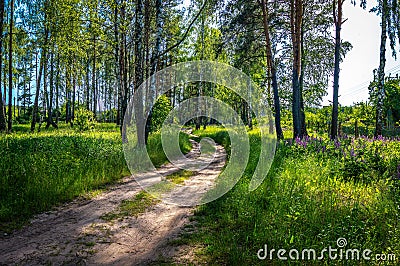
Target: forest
(74, 74)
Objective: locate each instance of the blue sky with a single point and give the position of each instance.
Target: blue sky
(362, 30)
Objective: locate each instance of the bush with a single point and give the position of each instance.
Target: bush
(160, 112)
(84, 119)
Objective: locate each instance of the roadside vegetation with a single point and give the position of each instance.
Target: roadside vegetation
(316, 192)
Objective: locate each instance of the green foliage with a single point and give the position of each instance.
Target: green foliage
(154, 148)
(84, 119)
(392, 99)
(161, 110)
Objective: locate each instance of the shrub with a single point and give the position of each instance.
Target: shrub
(84, 119)
(160, 112)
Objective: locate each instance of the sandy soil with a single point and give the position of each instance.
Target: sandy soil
(74, 234)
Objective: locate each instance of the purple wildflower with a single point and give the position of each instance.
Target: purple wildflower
(352, 153)
(337, 144)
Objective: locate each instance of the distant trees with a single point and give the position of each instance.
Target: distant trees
(65, 54)
(94, 53)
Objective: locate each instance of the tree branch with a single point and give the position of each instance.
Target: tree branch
(186, 32)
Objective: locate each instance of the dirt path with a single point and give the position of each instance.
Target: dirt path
(74, 234)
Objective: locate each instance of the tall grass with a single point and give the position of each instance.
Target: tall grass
(44, 169)
(303, 203)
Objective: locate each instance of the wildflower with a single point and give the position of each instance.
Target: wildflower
(352, 153)
(337, 144)
(304, 144)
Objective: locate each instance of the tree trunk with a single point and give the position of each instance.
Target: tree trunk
(50, 102)
(296, 17)
(94, 76)
(381, 71)
(139, 108)
(302, 73)
(87, 82)
(36, 101)
(338, 27)
(67, 93)
(57, 89)
(123, 68)
(154, 64)
(117, 72)
(3, 126)
(10, 59)
(272, 71)
(73, 97)
(45, 94)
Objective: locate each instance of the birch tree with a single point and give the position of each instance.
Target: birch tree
(3, 126)
(389, 11)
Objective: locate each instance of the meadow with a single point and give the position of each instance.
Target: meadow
(316, 192)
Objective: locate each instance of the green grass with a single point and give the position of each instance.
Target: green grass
(132, 208)
(179, 177)
(41, 170)
(303, 203)
(155, 148)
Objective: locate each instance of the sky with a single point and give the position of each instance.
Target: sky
(362, 30)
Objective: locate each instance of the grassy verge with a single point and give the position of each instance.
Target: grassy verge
(44, 169)
(304, 203)
(155, 149)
